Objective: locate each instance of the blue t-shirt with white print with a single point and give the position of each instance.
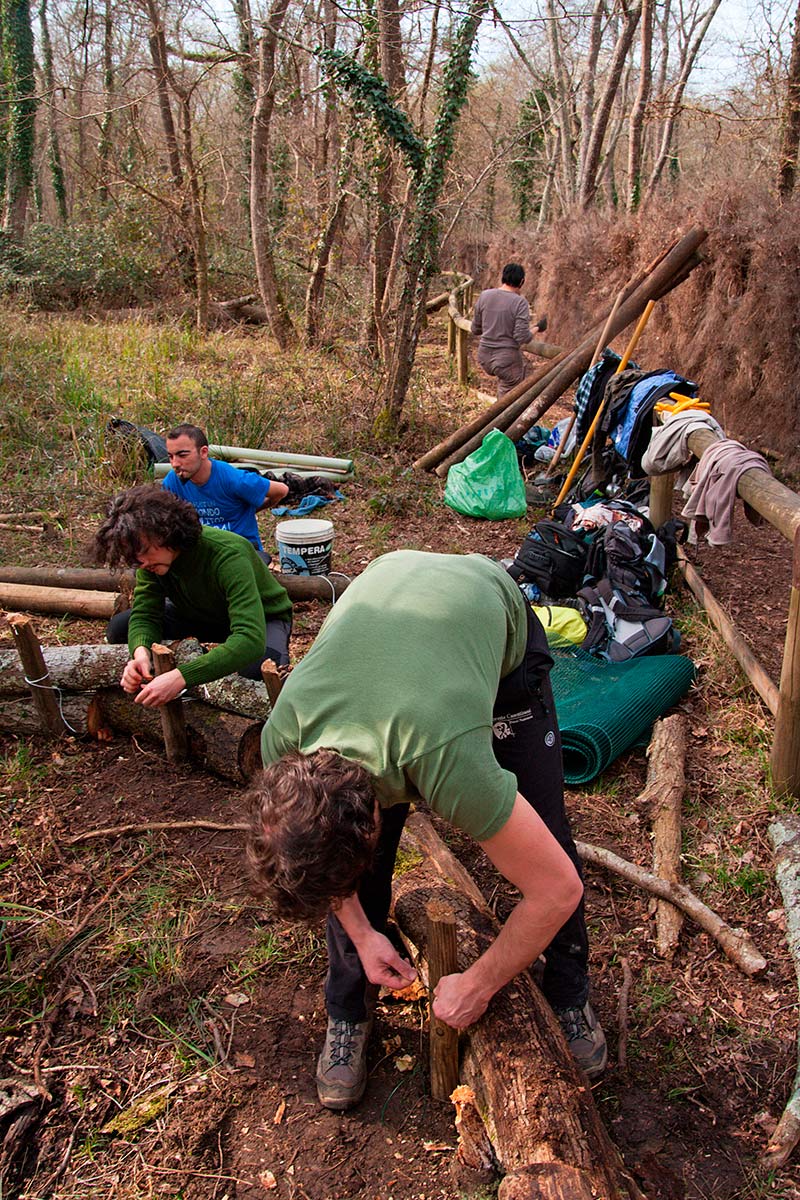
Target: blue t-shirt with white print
(227, 500)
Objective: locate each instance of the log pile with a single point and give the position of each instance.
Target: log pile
(525, 404)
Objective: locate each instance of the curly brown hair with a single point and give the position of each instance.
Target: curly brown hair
(145, 514)
(313, 828)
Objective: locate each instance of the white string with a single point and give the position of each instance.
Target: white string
(50, 687)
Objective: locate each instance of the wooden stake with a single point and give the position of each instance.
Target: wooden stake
(442, 960)
(36, 675)
(662, 488)
(272, 680)
(173, 724)
(462, 360)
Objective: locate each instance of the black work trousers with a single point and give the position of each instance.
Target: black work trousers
(527, 743)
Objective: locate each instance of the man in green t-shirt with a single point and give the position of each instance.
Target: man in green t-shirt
(192, 581)
(429, 679)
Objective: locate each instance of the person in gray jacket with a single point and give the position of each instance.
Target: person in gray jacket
(502, 321)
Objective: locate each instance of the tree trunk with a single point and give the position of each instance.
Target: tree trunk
(104, 144)
(691, 52)
(277, 313)
(563, 102)
(635, 140)
(53, 146)
(21, 91)
(533, 1099)
(589, 180)
(423, 239)
(790, 133)
(71, 668)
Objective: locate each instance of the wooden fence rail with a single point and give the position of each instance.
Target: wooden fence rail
(779, 506)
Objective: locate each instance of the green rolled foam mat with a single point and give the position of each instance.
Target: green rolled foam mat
(604, 708)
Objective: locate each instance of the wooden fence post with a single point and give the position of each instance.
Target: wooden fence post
(661, 491)
(451, 336)
(462, 356)
(785, 758)
(173, 724)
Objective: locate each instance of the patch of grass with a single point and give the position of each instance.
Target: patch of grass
(295, 945)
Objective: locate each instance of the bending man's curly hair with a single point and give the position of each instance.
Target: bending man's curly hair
(312, 832)
(145, 514)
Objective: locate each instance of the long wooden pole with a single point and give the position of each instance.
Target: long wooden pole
(623, 362)
(517, 420)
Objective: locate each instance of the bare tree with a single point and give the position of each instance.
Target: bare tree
(268, 285)
(635, 137)
(790, 136)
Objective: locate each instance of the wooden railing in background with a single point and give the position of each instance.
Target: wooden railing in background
(779, 506)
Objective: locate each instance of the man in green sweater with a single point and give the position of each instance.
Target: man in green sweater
(192, 581)
(428, 679)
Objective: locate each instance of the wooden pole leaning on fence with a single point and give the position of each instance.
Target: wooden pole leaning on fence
(623, 362)
(173, 724)
(525, 412)
(680, 257)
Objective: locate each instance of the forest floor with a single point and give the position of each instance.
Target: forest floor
(167, 1026)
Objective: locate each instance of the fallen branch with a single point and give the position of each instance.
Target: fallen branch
(151, 827)
(736, 943)
(784, 836)
(663, 793)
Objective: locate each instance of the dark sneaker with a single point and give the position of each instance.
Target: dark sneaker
(342, 1065)
(585, 1038)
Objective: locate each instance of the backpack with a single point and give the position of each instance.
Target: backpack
(553, 557)
(618, 631)
(634, 563)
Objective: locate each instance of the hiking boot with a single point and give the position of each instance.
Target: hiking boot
(585, 1038)
(342, 1065)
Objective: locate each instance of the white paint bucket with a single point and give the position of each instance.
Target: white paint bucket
(304, 546)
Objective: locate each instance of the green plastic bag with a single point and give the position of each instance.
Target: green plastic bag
(488, 484)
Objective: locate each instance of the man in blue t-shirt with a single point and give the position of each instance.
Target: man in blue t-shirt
(224, 496)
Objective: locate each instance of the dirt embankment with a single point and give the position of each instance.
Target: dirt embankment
(734, 326)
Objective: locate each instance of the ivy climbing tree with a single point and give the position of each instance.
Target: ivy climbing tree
(426, 160)
(20, 95)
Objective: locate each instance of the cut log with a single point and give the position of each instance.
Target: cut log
(663, 794)
(784, 836)
(234, 693)
(299, 587)
(548, 1181)
(535, 1103)
(18, 714)
(62, 601)
(226, 744)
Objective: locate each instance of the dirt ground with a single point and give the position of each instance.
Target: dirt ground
(163, 1027)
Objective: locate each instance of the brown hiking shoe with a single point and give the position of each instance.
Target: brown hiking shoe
(342, 1065)
(585, 1038)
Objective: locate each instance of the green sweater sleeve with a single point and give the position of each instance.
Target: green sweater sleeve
(247, 638)
(220, 581)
